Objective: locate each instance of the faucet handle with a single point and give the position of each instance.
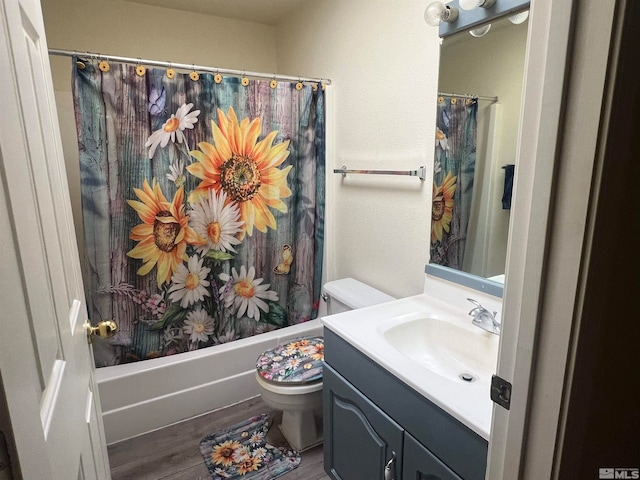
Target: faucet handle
(475, 302)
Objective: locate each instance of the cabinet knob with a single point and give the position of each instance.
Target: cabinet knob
(390, 468)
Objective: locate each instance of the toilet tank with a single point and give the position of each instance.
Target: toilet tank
(349, 294)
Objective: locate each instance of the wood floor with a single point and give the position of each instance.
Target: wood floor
(173, 453)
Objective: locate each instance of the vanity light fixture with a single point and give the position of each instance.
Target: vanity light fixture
(471, 4)
(519, 18)
(437, 12)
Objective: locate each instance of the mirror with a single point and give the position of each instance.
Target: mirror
(476, 143)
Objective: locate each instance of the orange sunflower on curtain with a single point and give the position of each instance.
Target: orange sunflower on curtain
(245, 169)
(164, 234)
(442, 206)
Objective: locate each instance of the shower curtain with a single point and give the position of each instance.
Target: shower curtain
(203, 205)
(454, 169)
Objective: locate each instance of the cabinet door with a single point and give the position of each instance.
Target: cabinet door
(421, 464)
(360, 440)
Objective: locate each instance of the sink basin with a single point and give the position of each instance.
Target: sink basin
(457, 352)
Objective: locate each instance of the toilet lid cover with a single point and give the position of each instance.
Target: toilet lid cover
(297, 361)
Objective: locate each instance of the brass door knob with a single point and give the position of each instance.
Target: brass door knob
(104, 329)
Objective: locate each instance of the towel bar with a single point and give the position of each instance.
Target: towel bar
(420, 172)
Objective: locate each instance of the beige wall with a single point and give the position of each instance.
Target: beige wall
(120, 27)
(382, 59)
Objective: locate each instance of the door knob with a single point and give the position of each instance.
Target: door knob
(104, 329)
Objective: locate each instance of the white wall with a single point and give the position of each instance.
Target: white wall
(382, 60)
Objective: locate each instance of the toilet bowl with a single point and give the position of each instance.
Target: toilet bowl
(290, 375)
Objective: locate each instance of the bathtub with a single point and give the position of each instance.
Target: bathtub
(144, 396)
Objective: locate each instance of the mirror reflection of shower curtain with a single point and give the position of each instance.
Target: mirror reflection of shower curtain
(454, 170)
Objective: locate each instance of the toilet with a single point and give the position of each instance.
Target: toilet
(290, 375)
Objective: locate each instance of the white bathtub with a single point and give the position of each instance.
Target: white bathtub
(141, 397)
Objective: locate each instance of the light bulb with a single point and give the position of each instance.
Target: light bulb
(438, 12)
(480, 31)
(519, 18)
(471, 4)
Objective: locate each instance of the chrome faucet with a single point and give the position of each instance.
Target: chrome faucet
(483, 318)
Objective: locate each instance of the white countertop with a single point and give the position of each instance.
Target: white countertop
(364, 329)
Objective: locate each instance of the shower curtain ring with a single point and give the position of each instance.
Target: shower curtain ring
(194, 75)
(79, 63)
(140, 70)
(104, 64)
(170, 71)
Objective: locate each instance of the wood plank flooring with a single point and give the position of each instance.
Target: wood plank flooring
(173, 453)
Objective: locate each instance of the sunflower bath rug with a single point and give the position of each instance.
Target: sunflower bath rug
(241, 452)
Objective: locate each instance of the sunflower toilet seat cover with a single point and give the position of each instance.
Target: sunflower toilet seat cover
(295, 362)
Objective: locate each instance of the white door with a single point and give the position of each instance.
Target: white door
(46, 365)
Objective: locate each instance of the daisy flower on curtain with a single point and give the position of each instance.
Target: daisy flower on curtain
(247, 295)
(245, 169)
(189, 283)
(164, 234)
(216, 221)
(172, 129)
(198, 325)
(176, 173)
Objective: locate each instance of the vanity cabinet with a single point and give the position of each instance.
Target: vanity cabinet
(374, 422)
(421, 464)
(363, 440)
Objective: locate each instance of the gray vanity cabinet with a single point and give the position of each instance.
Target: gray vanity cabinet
(361, 440)
(378, 428)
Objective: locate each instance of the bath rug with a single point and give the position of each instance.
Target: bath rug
(242, 452)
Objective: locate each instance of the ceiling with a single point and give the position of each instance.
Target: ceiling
(266, 12)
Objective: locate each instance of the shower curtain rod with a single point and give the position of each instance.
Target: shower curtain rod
(468, 95)
(187, 66)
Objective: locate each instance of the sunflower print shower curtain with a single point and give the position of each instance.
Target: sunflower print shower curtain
(203, 206)
(453, 176)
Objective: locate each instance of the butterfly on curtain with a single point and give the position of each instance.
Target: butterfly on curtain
(445, 116)
(285, 263)
(157, 100)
